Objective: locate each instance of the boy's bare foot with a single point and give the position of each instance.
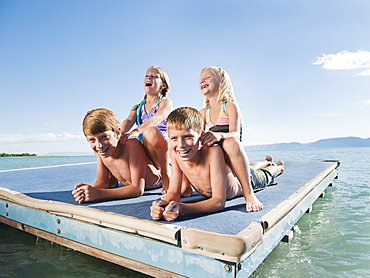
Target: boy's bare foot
(270, 160)
(281, 165)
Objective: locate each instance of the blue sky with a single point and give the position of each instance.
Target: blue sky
(300, 69)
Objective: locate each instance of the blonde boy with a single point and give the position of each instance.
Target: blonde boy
(129, 164)
(203, 166)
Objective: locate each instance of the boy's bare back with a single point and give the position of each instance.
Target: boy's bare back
(126, 161)
(128, 164)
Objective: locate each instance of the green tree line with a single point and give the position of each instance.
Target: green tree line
(16, 154)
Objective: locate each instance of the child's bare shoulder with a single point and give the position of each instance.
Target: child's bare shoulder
(165, 101)
(132, 144)
(132, 147)
(232, 105)
(212, 153)
(203, 111)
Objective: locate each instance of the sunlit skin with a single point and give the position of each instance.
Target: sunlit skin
(104, 143)
(209, 83)
(153, 82)
(205, 168)
(129, 165)
(207, 172)
(153, 85)
(237, 159)
(153, 140)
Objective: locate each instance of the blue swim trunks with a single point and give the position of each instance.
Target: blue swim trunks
(260, 178)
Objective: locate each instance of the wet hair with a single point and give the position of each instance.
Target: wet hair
(185, 117)
(226, 92)
(100, 120)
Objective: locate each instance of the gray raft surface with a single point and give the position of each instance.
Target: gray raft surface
(56, 184)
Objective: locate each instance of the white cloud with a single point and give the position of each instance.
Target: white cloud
(365, 73)
(346, 60)
(45, 137)
(362, 102)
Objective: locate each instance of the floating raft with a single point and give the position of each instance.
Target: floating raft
(231, 243)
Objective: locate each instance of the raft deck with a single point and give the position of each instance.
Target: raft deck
(231, 243)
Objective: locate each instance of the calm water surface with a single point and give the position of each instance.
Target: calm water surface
(332, 241)
(8, 163)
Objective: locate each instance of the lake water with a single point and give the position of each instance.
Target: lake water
(332, 241)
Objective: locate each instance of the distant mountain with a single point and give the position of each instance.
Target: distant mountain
(341, 142)
(323, 143)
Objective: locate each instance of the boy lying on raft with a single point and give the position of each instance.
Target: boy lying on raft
(205, 168)
(130, 164)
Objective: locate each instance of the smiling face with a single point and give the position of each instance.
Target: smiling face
(153, 83)
(104, 143)
(209, 82)
(184, 142)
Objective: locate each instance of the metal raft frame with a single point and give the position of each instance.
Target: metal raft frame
(156, 248)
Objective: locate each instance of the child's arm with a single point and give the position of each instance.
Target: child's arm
(235, 119)
(87, 193)
(165, 107)
(218, 180)
(137, 160)
(174, 189)
(128, 123)
(173, 193)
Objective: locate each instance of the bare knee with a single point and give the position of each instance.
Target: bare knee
(153, 136)
(232, 146)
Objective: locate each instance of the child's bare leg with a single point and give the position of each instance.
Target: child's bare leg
(263, 164)
(238, 161)
(156, 147)
(278, 169)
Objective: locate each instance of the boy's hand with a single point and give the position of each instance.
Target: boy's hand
(85, 193)
(157, 209)
(171, 211)
(78, 193)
